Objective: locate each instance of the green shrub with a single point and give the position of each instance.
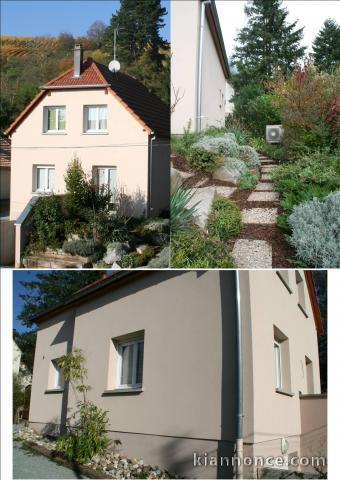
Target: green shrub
(247, 181)
(191, 249)
(181, 144)
(225, 219)
(261, 112)
(233, 125)
(105, 226)
(84, 248)
(135, 259)
(155, 230)
(48, 217)
(76, 187)
(18, 394)
(161, 260)
(204, 160)
(180, 213)
(315, 229)
(214, 131)
(225, 145)
(249, 155)
(276, 152)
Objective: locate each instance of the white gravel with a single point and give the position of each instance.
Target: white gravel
(259, 215)
(263, 197)
(252, 254)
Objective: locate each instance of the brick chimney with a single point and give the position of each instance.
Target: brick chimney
(77, 60)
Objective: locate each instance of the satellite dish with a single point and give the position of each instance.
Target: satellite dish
(114, 66)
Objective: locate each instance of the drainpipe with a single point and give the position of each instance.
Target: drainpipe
(200, 64)
(239, 426)
(149, 209)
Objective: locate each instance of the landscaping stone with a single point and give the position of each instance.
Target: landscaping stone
(141, 248)
(267, 168)
(115, 252)
(266, 160)
(259, 215)
(205, 197)
(225, 191)
(179, 174)
(227, 174)
(266, 176)
(252, 254)
(263, 197)
(268, 186)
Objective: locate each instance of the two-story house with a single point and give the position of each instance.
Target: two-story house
(200, 74)
(109, 121)
(191, 364)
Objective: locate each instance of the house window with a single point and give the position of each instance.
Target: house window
(130, 364)
(301, 293)
(309, 375)
(284, 277)
(105, 177)
(278, 372)
(282, 362)
(44, 178)
(95, 118)
(58, 377)
(54, 119)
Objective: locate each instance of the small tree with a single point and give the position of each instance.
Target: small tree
(76, 186)
(18, 394)
(96, 33)
(87, 436)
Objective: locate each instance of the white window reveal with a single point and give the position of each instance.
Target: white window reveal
(95, 118)
(278, 370)
(130, 364)
(58, 375)
(54, 119)
(44, 178)
(106, 177)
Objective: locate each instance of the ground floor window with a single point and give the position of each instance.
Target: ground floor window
(44, 178)
(57, 375)
(130, 364)
(106, 177)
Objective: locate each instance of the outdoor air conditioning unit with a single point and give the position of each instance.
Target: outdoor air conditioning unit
(274, 133)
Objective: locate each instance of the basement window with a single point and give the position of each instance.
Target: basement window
(95, 118)
(130, 364)
(54, 119)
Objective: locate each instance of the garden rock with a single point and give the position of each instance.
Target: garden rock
(162, 260)
(204, 197)
(141, 248)
(115, 252)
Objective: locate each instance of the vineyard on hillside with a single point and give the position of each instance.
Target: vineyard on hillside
(22, 46)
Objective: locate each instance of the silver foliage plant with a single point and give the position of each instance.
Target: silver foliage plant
(249, 155)
(235, 166)
(315, 228)
(225, 145)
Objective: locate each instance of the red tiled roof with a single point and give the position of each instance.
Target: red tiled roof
(147, 108)
(5, 152)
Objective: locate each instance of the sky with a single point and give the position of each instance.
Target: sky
(49, 18)
(19, 276)
(310, 14)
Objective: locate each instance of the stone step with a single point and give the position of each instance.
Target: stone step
(263, 197)
(267, 168)
(252, 254)
(265, 186)
(259, 215)
(265, 161)
(265, 176)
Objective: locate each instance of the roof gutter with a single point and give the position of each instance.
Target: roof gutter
(239, 414)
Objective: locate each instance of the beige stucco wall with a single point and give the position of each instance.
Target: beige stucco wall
(184, 71)
(125, 146)
(276, 415)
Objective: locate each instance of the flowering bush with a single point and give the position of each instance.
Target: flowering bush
(315, 228)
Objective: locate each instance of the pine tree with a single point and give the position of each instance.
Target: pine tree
(268, 42)
(50, 288)
(326, 46)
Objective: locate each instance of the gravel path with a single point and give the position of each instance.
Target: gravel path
(27, 464)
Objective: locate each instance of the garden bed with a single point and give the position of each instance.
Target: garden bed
(107, 465)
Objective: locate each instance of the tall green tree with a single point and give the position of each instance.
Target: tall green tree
(326, 46)
(267, 43)
(26, 342)
(50, 288)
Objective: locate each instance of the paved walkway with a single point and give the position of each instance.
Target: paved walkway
(28, 464)
(252, 253)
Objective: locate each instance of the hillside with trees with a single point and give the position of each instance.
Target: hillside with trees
(28, 62)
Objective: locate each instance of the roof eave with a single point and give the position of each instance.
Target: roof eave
(314, 302)
(75, 87)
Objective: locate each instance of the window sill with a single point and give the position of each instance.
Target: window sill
(54, 390)
(124, 391)
(284, 392)
(54, 133)
(303, 310)
(96, 133)
(42, 193)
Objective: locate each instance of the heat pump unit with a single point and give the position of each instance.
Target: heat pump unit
(274, 133)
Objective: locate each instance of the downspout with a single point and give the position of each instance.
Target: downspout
(239, 417)
(149, 209)
(200, 65)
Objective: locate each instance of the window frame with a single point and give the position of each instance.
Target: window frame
(120, 346)
(85, 119)
(95, 174)
(278, 365)
(43, 167)
(57, 108)
(59, 379)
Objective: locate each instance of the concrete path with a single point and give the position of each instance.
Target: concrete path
(27, 464)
